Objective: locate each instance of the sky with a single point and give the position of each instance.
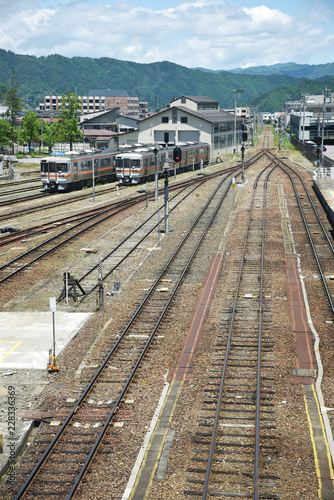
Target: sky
(212, 34)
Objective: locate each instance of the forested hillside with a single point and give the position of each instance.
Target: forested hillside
(311, 71)
(156, 82)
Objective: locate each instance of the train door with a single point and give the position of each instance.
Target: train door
(51, 174)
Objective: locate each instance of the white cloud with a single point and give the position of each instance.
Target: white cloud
(209, 33)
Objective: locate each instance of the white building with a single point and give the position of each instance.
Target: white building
(189, 118)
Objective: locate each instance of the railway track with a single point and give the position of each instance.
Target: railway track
(228, 447)
(319, 240)
(84, 429)
(76, 229)
(19, 263)
(140, 233)
(244, 438)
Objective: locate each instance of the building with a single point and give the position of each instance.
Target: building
(311, 117)
(101, 100)
(189, 119)
(101, 128)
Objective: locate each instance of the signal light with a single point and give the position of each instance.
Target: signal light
(177, 155)
(318, 141)
(244, 136)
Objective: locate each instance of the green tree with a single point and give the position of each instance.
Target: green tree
(31, 127)
(67, 125)
(4, 134)
(14, 104)
(49, 135)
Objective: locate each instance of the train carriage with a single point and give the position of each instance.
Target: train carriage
(139, 165)
(60, 173)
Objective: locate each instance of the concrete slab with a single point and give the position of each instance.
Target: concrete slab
(25, 338)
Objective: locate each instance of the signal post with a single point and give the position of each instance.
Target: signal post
(244, 139)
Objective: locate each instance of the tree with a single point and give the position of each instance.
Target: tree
(4, 134)
(49, 135)
(67, 126)
(14, 104)
(31, 126)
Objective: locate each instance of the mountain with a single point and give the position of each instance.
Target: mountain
(275, 99)
(156, 82)
(311, 71)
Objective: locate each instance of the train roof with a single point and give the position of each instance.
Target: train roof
(139, 152)
(78, 155)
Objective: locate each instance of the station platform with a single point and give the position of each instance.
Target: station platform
(25, 341)
(324, 189)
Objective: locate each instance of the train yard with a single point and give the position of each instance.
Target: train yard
(209, 372)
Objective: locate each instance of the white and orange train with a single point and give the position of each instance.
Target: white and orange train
(138, 166)
(60, 173)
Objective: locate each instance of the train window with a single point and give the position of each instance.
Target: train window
(119, 163)
(127, 163)
(61, 167)
(135, 163)
(84, 165)
(105, 162)
(52, 166)
(44, 166)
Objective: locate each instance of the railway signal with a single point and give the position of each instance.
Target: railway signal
(177, 155)
(244, 136)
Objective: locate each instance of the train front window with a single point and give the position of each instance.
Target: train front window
(135, 164)
(119, 163)
(61, 168)
(44, 166)
(52, 166)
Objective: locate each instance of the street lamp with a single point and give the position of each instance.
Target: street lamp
(235, 91)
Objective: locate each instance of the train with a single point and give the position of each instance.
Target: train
(65, 171)
(74, 170)
(134, 167)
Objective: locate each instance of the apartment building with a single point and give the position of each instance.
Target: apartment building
(101, 100)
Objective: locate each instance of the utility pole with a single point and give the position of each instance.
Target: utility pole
(304, 101)
(327, 93)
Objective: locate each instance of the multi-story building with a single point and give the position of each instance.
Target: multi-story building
(101, 100)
